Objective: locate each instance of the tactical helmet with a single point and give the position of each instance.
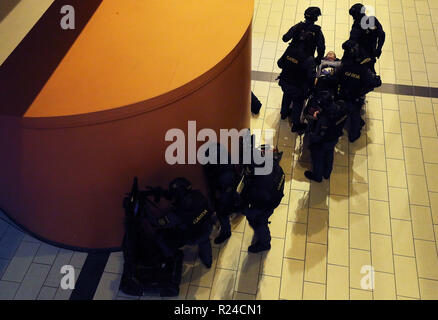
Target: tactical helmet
(312, 13)
(178, 187)
(357, 11)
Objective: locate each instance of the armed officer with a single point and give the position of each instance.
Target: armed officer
(261, 194)
(296, 78)
(326, 123)
(316, 42)
(355, 81)
(223, 179)
(189, 220)
(368, 33)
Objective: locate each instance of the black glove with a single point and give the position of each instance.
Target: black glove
(378, 53)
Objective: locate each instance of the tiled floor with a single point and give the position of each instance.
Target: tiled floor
(379, 209)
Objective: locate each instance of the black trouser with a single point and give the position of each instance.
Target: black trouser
(292, 95)
(322, 155)
(356, 121)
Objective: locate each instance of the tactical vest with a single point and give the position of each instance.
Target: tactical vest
(368, 38)
(306, 30)
(293, 62)
(351, 82)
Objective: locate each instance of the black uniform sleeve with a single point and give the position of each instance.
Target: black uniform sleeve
(320, 45)
(310, 72)
(290, 34)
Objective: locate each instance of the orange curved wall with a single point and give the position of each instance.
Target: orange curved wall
(63, 176)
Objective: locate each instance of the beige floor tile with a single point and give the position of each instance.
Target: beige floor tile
(317, 226)
(337, 283)
(238, 223)
(430, 147)
(359, 198)
(406, 298)
(432, 176)
(223, 284)
(376, 157)
(427, 125)
(338, 246)
(313, 291)
(389, 101)
(393, 146)
(295, 241)
(286, 160)
(358, 167)
(341, 152)
(319, 194)
(248, 273)
(230, 252)
(359, 231)
(338, 211)
(278, 221)
(428, 289)
(427, 259)
(378, 186)
(384, 286)
(381, 253)
(299, 181)
(379, 217)
(248, 237)
(411, 136)
(418, 190)
(339, 181)
(396, 173)
(203, 276)
(357, 294)
(292, 280)
(268, 288)
(358, 259)
(434, 206)
(298, 206)
(374, 109)
(271, 260)
(391, 121)
(423, 105)
(198, 293)
(422, 223)
(406, 277)
(375, 131)
(286, 138)
(243, 296)
(316, 263)
(402, 238)
(414, 161)
(407, 112)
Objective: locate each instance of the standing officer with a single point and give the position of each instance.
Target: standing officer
(326, 123)
(368, 33)
(316, 42)
(296, 78)
(261, 194)
(355, 81)
(223, 179)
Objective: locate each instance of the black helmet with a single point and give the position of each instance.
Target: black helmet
(357, 11)
(312, 13)
(179, 187)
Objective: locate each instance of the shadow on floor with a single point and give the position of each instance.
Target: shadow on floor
(7, 6)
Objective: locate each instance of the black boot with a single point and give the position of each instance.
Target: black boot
(259, 247)
(222, 237)
(309, 175)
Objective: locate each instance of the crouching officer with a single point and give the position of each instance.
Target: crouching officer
(260, 195)
(296, 78)
(355, 81)
(326, 122)
(368, 33)
(223, 179)
(316, 41)
(189, 220)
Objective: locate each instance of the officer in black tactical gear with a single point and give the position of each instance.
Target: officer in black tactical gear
(355, 81)
(260, 195)
(189, 219)
(326, 122)
(316, 40)
(368, 33)
(296, 78)
(223, 179)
